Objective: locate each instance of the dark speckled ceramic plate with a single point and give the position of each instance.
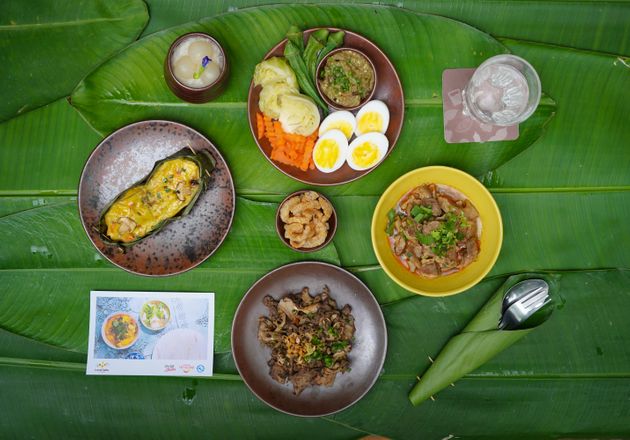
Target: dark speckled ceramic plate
(126, 157)
(366, 358)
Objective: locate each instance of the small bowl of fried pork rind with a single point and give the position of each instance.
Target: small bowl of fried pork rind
(306, 221)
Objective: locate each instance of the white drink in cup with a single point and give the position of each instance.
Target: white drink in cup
(504, 90)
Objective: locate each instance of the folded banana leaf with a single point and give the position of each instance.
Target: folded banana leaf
(138, 192)
(480, 341)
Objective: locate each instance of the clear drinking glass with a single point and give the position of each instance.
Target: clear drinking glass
(504, 90)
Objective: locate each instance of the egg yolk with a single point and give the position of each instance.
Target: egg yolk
(366, 154)
(345, 128)
(370, 121)
(326, 153)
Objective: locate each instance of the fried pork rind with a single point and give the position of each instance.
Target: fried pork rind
(305, 218)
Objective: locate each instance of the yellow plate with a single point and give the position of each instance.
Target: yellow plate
(491, 231)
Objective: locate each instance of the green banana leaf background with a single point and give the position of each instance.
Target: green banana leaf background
(72, 74)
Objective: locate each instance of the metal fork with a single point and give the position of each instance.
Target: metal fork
(529, 302)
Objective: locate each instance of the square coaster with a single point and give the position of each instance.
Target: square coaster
(459, 128)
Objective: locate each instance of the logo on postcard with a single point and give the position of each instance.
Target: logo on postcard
(186, 368)
(168, 368)
(102, 366)
(201, 368)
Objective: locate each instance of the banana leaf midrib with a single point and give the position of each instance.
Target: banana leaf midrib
(355, 269)
(252, 194)
(220, 270)
(80, 367)
(22, 26)
(505, 40)
(545, 101)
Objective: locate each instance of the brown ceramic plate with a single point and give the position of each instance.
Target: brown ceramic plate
(126, 157)
(366, 358)
(388, 89)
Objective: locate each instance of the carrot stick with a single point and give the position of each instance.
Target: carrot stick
(260, 126)
(308, 154)
(287, 148)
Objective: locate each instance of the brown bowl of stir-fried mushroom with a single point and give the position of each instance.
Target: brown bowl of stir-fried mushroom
(309, 339)
(437, 231)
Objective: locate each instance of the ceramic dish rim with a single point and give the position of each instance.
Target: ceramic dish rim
(380, 319)
(495, 252)
(80, 198)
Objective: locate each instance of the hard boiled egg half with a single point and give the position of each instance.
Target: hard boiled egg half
(367, 150)
(341, 120)
(330, 151)
(373, 117)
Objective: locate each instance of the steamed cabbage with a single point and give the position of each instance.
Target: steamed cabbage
(280, 98)
(269, 100)
(298, 114)
(274, 70)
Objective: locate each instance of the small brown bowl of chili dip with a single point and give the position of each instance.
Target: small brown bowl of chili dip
(346, 79)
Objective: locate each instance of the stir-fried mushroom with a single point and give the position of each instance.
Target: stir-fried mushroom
(309, 336)
(434, 230)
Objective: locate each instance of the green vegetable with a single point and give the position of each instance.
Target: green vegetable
(333, 332)
(391, 216)
(148, 311)
(275, 70)
(298, 114)
(270, 95)
(424, 239)
(294, 35)
(315, 356)
(120, 329)
(421, 213)
(328, 361)
(292, 54)
(338, 346)
(334, 41)
(444, 237)
(315, 44)
(340, 78)
(315, 340)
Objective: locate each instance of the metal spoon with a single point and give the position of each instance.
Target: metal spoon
(521, 301)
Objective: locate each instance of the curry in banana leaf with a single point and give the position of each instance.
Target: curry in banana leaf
(169, 192)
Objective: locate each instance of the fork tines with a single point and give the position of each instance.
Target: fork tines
(533, 298)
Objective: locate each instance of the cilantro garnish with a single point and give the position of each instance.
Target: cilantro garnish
(421, 213)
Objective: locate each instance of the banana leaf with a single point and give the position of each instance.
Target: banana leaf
(46, 244)
(479, 341)
(48, 47)
(540, 230)
(33, 139)
(468, 410)
(586, 146)
(572, 140)
(205, 162)
(570, 375)
(57, 249)
(594, 25)
(129, 88)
